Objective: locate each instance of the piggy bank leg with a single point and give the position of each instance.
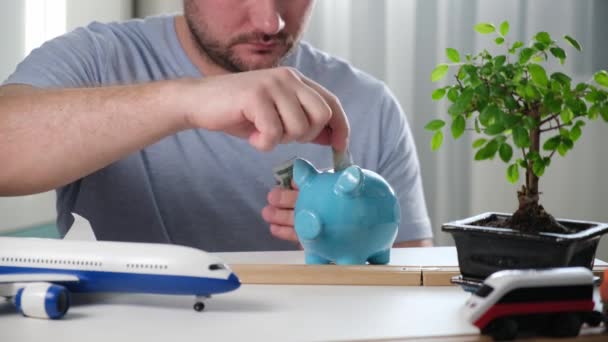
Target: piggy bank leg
(313, 259)
(350, 260)
(380, 258)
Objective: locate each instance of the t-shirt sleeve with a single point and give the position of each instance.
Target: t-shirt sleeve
(399, 165)
(74, 59)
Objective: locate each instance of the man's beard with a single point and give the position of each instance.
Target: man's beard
(224, 55)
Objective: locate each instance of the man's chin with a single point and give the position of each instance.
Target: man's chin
(259, 62)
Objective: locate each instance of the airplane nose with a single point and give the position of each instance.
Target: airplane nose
(234, 280)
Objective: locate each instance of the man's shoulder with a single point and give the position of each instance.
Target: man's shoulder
(133, 28)
(333, 72)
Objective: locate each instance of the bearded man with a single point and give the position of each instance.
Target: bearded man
(166, 129)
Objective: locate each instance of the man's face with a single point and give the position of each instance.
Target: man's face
(242, 35)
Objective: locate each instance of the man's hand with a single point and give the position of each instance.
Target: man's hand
(268, 107)
(279, 213)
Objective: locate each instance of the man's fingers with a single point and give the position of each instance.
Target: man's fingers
(269, 128)
(282, 198)
(338, 123)
(317, 110)
(292, 114)
(284, 233)
(281, 217)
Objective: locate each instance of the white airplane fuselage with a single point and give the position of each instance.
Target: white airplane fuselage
(116, 266)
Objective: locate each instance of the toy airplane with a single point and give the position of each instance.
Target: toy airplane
(39, 274)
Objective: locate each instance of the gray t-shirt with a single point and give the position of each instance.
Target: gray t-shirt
(207, 189)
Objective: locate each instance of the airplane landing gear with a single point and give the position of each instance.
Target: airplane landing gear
(199, 305)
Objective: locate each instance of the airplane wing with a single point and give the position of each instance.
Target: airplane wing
(11, 283)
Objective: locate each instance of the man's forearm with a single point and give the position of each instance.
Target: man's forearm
(49, 138)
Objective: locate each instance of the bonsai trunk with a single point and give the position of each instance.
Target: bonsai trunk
(530, 216)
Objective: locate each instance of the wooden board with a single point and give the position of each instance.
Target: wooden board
(381, 275)
(328, 274)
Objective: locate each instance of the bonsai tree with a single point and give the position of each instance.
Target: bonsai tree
(514, 104)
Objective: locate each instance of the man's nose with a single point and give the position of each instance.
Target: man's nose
(266, 16)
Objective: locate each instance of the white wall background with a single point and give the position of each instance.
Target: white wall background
(400, 42)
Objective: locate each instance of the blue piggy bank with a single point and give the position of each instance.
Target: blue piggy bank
(347, 217)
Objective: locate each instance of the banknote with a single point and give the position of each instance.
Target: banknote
(342, 160)
(283, 173)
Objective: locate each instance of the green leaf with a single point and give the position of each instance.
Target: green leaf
(601, 77)
(543, 37)
(510, 120)
(488, 151)
(489, 114)
(499, 40)
(435, 125)
(521, 137)
(531, 92)
(525, 55)
(576, 132)
(504, 28)
(578, 106)
(458, 126)
(436, 141)
(513, 173)
(573, 42)
(499, 61)
(438, 94)
(559, 53)
(479, 142)
(604, 112)
(540, 46)
(596, 96)
(462, 103)
(552, 143)
(582, 86)
(453, 55)
(453, 94)
(440, 71)
(594, 112)
(485, 28)
(495, 129)
(538, 59)
(551, 103)
(538, 168)
(477, 128)
(522, 163)
(517, 45)
(530, 123)
(562, 150)
(539, 75)
(563, 79)
(566, 115)
(505, 152)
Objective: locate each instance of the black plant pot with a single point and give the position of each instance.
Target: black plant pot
(485, 250)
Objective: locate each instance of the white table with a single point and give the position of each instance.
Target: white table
(259, 312)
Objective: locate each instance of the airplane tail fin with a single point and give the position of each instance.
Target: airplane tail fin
(81, 230)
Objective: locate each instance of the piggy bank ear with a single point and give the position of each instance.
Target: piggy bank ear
(303, 172)
(350, 180)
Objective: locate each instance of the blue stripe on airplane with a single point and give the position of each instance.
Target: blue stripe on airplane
(101, 281)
